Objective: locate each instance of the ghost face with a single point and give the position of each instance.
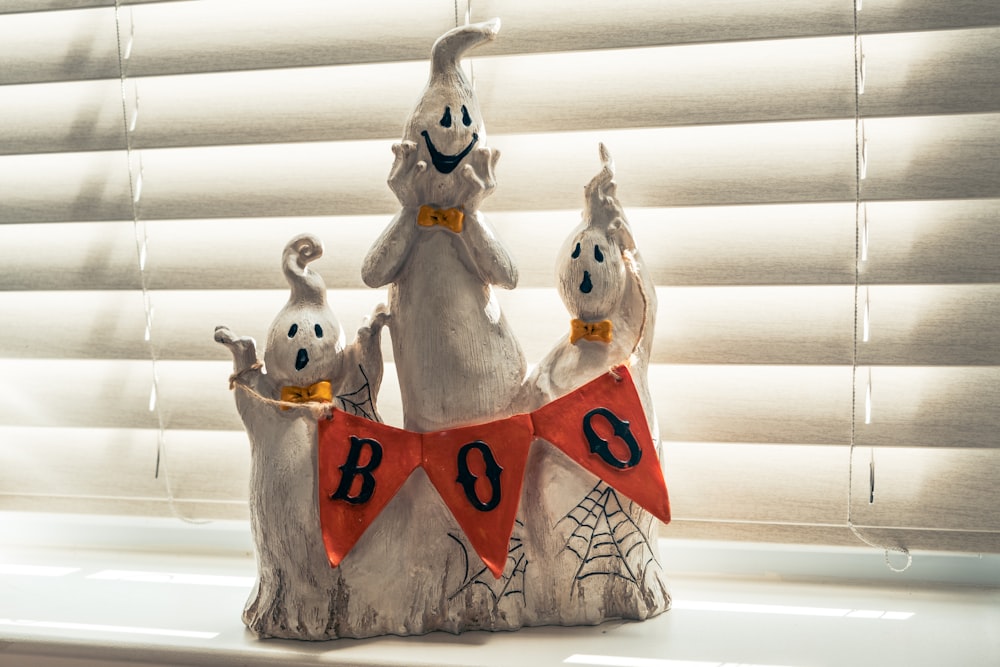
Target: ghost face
(446, 126)
(304, 346)
(591, 275)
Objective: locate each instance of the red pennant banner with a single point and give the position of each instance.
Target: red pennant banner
(362, 465)
(603, 427)
(478, 472)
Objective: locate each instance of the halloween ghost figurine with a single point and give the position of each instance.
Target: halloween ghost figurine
(612, 305)
(457, 360)
(306, 365)
(610, 296)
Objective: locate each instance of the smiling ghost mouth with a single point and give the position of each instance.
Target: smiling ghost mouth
(301, 359)
(447, 163)
(586, 285)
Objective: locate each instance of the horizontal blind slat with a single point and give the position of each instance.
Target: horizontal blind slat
(928, 488)
(766, 404)
(894, 16)
(761, 81)
(202, 465)
(717, 165)
(15, 6)
(763, 487)
(931, 325)
(930, 406)
(932, 157)
(192, 395)
(710, 481)
(908, 325)
(927, 157)
(931, 241)
(795, 244)
(58, 45)
(181, 37)
(112, 324)
(788, 79)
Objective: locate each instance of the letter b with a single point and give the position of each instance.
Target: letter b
(351, 469)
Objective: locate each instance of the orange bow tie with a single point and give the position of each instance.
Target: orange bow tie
(450, 218)
(598, 331)
(321, 392)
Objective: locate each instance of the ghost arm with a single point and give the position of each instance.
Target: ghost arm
(645, 303)
(247, 372)
(357, 388)
(389, 253)
(489, 258)
(387, 256)
(243, 349)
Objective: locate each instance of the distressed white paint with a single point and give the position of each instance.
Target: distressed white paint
(458, 363)
(457, 360)
(601, 277)
(292, 594)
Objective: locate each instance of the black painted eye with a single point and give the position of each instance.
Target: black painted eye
(294, 329)
(576, 251)
(598, 255)
(319, 331)
(466, 119)
(446, 118)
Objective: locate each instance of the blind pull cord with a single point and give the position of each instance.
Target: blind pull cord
(860, 257)
(134, 161)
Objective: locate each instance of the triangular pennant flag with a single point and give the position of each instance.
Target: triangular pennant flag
(603, 427)
(362, 465)
(478, 472)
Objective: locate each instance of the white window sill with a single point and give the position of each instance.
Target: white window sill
(72, 604)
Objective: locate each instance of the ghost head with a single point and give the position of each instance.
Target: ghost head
(590, 268)
(446, 124)
(305, 342)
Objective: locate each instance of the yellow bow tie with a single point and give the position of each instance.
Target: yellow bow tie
(321, 392)
(451, 218)
(599, 331)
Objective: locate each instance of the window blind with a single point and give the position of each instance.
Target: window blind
(819, 205)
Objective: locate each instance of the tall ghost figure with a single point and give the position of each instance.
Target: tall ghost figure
(457, 360)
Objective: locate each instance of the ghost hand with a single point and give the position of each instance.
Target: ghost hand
(405, 174)
(380, 318)
(477, 179)
(244, 349)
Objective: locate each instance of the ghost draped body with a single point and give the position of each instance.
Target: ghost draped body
(456, 358)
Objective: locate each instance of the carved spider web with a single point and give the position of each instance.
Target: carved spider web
(507, 584)
(359, 402)
(606, 539)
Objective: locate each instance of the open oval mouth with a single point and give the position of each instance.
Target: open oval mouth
(301, 359)
(447, 163)
(586, 285)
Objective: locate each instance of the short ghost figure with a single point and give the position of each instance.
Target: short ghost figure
(305, 364)
(600, 548)
(457, 359)
(609, 294)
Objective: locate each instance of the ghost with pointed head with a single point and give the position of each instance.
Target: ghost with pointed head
(611, 300)
(306, 366)
(609, 294)
(457, 360)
